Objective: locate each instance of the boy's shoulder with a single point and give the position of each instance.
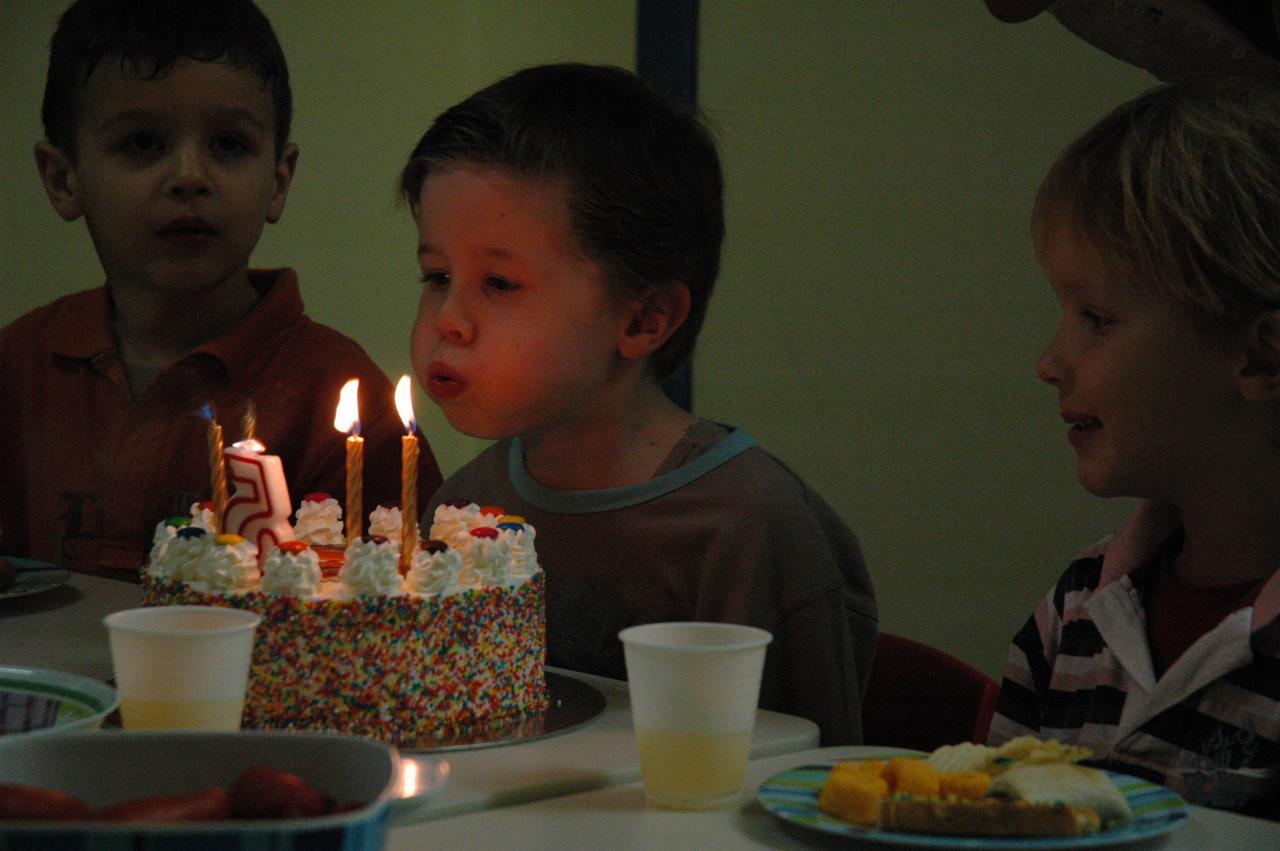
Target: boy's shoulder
(278, 328)
(736, 481)
(756, 483)
(71, 324)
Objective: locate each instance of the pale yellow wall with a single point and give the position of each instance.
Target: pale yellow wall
(879, 311)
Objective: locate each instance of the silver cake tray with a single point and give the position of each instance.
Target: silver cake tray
(572, 704)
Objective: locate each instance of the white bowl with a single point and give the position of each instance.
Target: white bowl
(33, 700)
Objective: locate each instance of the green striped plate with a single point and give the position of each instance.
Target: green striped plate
(33, 700)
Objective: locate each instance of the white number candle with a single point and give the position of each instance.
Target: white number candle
(259, 509)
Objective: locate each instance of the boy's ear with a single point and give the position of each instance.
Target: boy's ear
(61, 183)
(1258, 375)
(652, 319)
(283, 177)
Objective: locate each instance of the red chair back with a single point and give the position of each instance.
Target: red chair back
(919, 697)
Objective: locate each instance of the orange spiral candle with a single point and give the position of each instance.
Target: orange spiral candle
(408, 500)
(347, 420)
(408, 476)
(217, 474)
(355, 487)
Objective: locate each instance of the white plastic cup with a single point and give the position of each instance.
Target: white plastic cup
(181, 667)
(694, 688)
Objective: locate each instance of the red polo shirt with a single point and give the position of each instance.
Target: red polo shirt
(87, 471)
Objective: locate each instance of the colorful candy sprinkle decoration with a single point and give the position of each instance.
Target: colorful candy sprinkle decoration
(406, 670)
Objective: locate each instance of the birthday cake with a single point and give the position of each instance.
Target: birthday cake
(451, 647)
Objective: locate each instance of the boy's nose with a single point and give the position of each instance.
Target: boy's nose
(1048, 364)
(452, 323)
(189, 174)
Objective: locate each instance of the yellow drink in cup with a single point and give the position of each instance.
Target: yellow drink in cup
(181, 667)
(694, 688)
(682, 770)
(181, 715)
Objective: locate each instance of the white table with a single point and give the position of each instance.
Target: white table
(62, 630)
(617, 818)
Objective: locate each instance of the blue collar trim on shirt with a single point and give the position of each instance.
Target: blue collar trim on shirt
(610, 499)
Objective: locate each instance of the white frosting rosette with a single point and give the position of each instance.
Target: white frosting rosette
(435, 570)
(202, 518)
(372, 568)
(522, 556)
(484, 559)
(230, 563)
(452, 523)
(291, 572)
(319, 522)
(385, 521)
(159, 543)
(179, 554)
(493, 556)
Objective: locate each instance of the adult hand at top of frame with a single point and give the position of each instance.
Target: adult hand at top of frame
(1168, 38)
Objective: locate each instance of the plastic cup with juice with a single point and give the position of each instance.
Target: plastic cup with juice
(694, 688)
(181, 667)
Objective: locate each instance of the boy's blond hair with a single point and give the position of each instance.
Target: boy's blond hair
(1178, 190)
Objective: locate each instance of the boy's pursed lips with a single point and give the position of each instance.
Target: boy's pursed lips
(1073, 418)
(443, 381)
(1081, 426)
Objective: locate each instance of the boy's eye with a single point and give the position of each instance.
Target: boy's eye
(501, 285)
(141, 143)
(230, 143)
(436, 280)
(1096, 320)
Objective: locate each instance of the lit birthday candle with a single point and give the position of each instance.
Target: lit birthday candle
(347, 421)
(259, 509)
(408, 475)
(217, 469)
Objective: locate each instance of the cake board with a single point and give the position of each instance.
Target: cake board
(572, 703)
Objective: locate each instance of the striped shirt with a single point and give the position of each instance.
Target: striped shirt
(1080, 671)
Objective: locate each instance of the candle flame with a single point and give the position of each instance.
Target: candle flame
(347, 417)
(404, 403)
(252, 445)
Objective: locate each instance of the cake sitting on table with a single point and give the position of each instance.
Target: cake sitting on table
(454, 646)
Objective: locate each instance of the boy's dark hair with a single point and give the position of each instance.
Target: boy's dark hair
(646, 197)
(147, 37)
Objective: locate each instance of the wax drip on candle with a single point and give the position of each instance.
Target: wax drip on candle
(249, 424)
